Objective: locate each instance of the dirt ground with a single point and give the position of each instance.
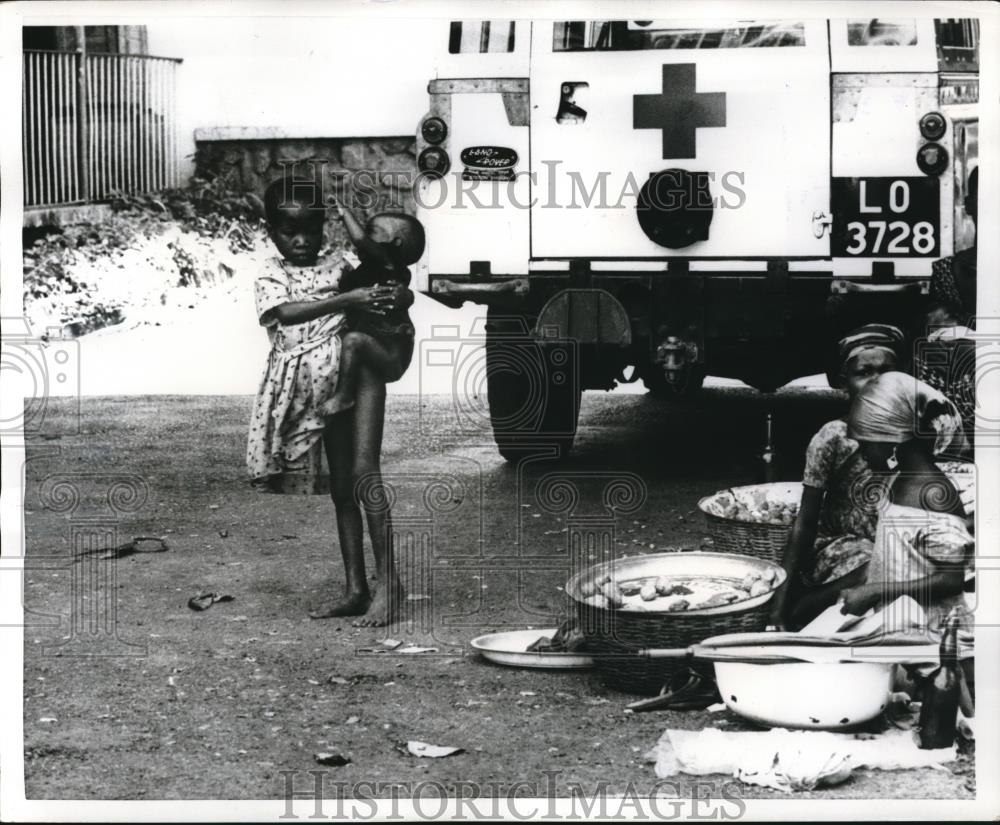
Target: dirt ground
(215, 704)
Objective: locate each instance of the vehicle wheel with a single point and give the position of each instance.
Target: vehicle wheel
(533, 391)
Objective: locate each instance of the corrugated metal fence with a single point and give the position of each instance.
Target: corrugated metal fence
(108, 128)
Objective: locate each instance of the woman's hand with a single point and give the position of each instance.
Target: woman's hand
(859, 600)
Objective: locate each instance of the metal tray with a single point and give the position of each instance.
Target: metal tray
(511, 648)
(713, 565)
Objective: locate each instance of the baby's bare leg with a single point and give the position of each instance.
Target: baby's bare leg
(357, 350)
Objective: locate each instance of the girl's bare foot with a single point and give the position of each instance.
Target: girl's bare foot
(384, 607)
(353, 604)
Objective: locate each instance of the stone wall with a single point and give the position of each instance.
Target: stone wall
(370, 174)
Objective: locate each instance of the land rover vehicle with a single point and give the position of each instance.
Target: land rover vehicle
(661, 200)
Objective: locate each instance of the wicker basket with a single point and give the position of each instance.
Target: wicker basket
(615, 636)
(763, 541)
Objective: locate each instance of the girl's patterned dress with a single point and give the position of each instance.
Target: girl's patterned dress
(284, 446)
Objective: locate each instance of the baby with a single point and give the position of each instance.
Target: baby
(379, 336)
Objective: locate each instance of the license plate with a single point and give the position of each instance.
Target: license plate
(885, 217)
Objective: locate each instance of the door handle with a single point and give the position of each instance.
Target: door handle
(821, 223)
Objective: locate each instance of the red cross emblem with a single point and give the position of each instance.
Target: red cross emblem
(678, 111)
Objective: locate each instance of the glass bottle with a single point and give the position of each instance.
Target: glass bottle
(941, 691)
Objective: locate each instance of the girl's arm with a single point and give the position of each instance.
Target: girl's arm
(371, 299)
(800, 545)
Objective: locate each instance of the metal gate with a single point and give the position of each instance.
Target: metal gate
(96, 124)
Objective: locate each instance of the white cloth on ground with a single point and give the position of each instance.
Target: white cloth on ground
(788, 760)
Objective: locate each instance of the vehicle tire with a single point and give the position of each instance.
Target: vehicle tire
(533, 391)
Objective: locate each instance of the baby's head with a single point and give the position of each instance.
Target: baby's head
(399, 233)
(294, 212)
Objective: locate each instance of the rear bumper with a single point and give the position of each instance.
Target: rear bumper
(763, 278)
(765, 323)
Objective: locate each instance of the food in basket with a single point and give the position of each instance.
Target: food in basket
(613, 595)
(720, 599)
(675, 594)
(758, 583)
(594, 586)
(754, 506)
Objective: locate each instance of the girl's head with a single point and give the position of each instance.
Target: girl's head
(866, 353)
(894, 409)
(295, 216)
(401, 234)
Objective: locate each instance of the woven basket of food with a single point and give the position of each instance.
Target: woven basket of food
(754, 520)
(667, 600)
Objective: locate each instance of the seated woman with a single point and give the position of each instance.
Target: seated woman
(922, 546)
(831, 540)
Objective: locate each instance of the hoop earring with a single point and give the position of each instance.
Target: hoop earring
(892, 462)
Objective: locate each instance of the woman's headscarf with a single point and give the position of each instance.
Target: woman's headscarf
(870, 336)
(893, 408)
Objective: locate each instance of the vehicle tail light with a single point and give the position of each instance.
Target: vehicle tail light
(434, 162)
(933, 126)
(434, 130)
(932, 158)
